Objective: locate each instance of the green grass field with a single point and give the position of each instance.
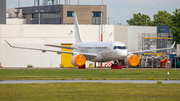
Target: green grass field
(89, 91)
(88, 74)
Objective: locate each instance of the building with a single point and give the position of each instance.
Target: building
(63, 14)
(2, 11)
(14, 17)
(14, 13)
(129, 35)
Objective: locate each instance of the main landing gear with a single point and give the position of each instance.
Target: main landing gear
(116, 65)
(82, 67)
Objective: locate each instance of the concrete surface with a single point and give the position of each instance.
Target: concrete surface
(87, 81)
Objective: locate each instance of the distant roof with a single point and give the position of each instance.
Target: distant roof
(178, 56)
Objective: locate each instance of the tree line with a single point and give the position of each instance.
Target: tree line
(161, 18)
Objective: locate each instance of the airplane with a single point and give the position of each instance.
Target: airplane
(96, 51)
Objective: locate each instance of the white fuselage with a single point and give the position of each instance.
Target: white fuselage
(104, 51)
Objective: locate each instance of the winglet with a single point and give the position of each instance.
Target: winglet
(173, 44)
(9, 44)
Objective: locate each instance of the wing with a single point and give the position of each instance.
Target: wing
(87, 55)
(43, 50)
(152, 49)
(58, 46)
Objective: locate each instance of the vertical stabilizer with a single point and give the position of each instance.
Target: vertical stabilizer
(76, 30)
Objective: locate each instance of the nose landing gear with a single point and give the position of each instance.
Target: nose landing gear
(116, 65)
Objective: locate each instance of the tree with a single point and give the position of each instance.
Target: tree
(162, 18)
(175, 25)
(139, 19)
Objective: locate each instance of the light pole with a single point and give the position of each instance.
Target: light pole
(115, 21)
(108, 21)
(31, 20)
(39, 11)
(102, 25)
(102, 21)
(146, 21)
(18, 3)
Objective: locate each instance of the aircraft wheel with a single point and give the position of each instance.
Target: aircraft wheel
(82, 67)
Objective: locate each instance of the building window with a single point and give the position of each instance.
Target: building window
(70, 13)
(46, 15)
(35, 15)
(96, 14)
(96, 17)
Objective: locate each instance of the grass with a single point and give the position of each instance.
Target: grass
(89, 91)
(88, 74)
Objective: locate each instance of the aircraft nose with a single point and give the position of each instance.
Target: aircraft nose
(123, 54)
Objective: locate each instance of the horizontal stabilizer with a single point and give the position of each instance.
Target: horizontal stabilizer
(58, 46)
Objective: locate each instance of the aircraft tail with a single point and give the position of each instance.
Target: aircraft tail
(76, 30)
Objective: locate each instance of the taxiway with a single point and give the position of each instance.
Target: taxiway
(86, 81)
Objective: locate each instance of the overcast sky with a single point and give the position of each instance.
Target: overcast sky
(121, 10)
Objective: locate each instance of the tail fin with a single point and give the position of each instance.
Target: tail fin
(76, 29)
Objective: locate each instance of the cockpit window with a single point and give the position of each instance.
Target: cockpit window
(115, 47)
(124, 47)
(119, 47)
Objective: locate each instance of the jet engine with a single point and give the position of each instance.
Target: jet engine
(78, 60)
(132, 60)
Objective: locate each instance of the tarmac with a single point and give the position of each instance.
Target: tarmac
(88, 81)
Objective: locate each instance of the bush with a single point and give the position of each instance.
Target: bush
(90, 78)
(159, 82)
(30, 66)
(150, 78)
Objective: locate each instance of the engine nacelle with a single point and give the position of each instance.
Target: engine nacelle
(78, 60)
(132, 60)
